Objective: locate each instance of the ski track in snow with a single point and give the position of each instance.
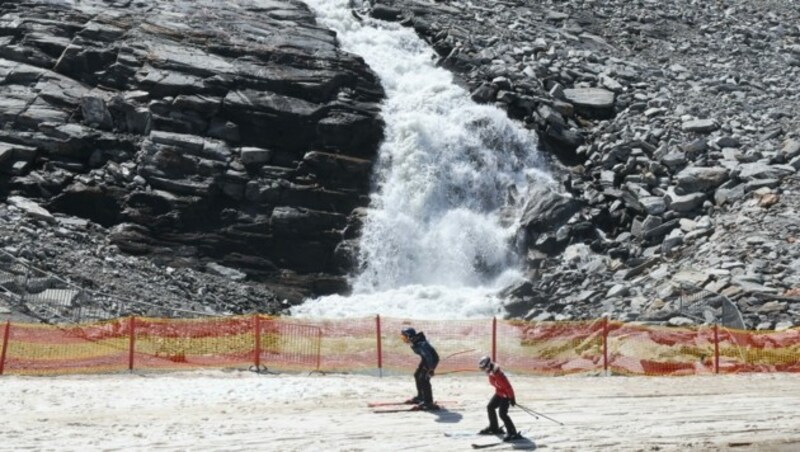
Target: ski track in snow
(236, 410)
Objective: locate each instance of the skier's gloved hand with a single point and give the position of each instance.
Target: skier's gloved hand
(512, 401)
(430, 373)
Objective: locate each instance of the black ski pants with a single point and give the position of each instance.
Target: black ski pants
(502, 403)
(422, 378)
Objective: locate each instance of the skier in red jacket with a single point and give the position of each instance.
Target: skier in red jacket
(503, 397)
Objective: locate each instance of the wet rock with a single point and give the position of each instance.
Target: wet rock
(387, 13)
(546, 210)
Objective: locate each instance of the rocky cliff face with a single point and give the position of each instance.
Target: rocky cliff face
(233, 133)
(205, 135)
(675, 127)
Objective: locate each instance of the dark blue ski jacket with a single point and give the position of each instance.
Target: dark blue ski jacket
(421, 346)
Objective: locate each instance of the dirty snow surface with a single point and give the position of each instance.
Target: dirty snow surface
(238, 410)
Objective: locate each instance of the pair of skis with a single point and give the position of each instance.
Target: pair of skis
(410, 406)
(498, 443)
(483, 445)
(402, 407)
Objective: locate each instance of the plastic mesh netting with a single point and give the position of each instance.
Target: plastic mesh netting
(368, 344)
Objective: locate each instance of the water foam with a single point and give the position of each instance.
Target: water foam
(437, 240)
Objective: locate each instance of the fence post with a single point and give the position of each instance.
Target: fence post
(716, 348)
(6, 335)
(494, 339)
(319, 348)
(380, 345)
(257, 334)
(605, 345)
(132, 341)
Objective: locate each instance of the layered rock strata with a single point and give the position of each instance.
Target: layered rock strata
(233, 132)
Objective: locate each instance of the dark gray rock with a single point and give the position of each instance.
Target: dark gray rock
(700, 125)
(387, 13)
(226, 272)
(299, 221)
(546, 210)
(694, 178)
(653, 205)
(759, 170)
(729, 195)
(198, 143)
(95, 112)
(686, 203)
(31, 208)
(791, 148)
(255, 156)
(593, 102)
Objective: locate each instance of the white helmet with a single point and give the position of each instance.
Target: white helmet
(485, 363)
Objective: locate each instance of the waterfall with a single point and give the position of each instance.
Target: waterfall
(437, 239)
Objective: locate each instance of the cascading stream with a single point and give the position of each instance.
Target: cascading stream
(437, 240)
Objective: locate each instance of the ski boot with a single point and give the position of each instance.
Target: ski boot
(416, 400)
(492, 431)
(511, 437)
(427, 406)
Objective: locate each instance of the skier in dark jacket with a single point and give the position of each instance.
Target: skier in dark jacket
(427, 366)
(503, 397)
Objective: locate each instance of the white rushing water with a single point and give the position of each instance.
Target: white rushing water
(437, 241)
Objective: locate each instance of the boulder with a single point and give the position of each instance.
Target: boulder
(95, 112)
(31, 208)
(685, 203)
(698, 179)
(254, 155)
(546, 210)
(791, 148)
(591, 102)
(700, 125)
(299, 221)
(760, 170)
(386, 13)
(225, 272)
(653, 205)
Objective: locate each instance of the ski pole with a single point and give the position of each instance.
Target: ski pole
(530, 411)
(457, 353)
(455, 371)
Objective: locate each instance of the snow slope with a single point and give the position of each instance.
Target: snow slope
(236, 410)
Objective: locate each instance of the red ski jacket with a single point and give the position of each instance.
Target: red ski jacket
(501, 385)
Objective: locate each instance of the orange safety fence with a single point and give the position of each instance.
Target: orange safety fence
(657, 350)
(374, 345)
(553, 348)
